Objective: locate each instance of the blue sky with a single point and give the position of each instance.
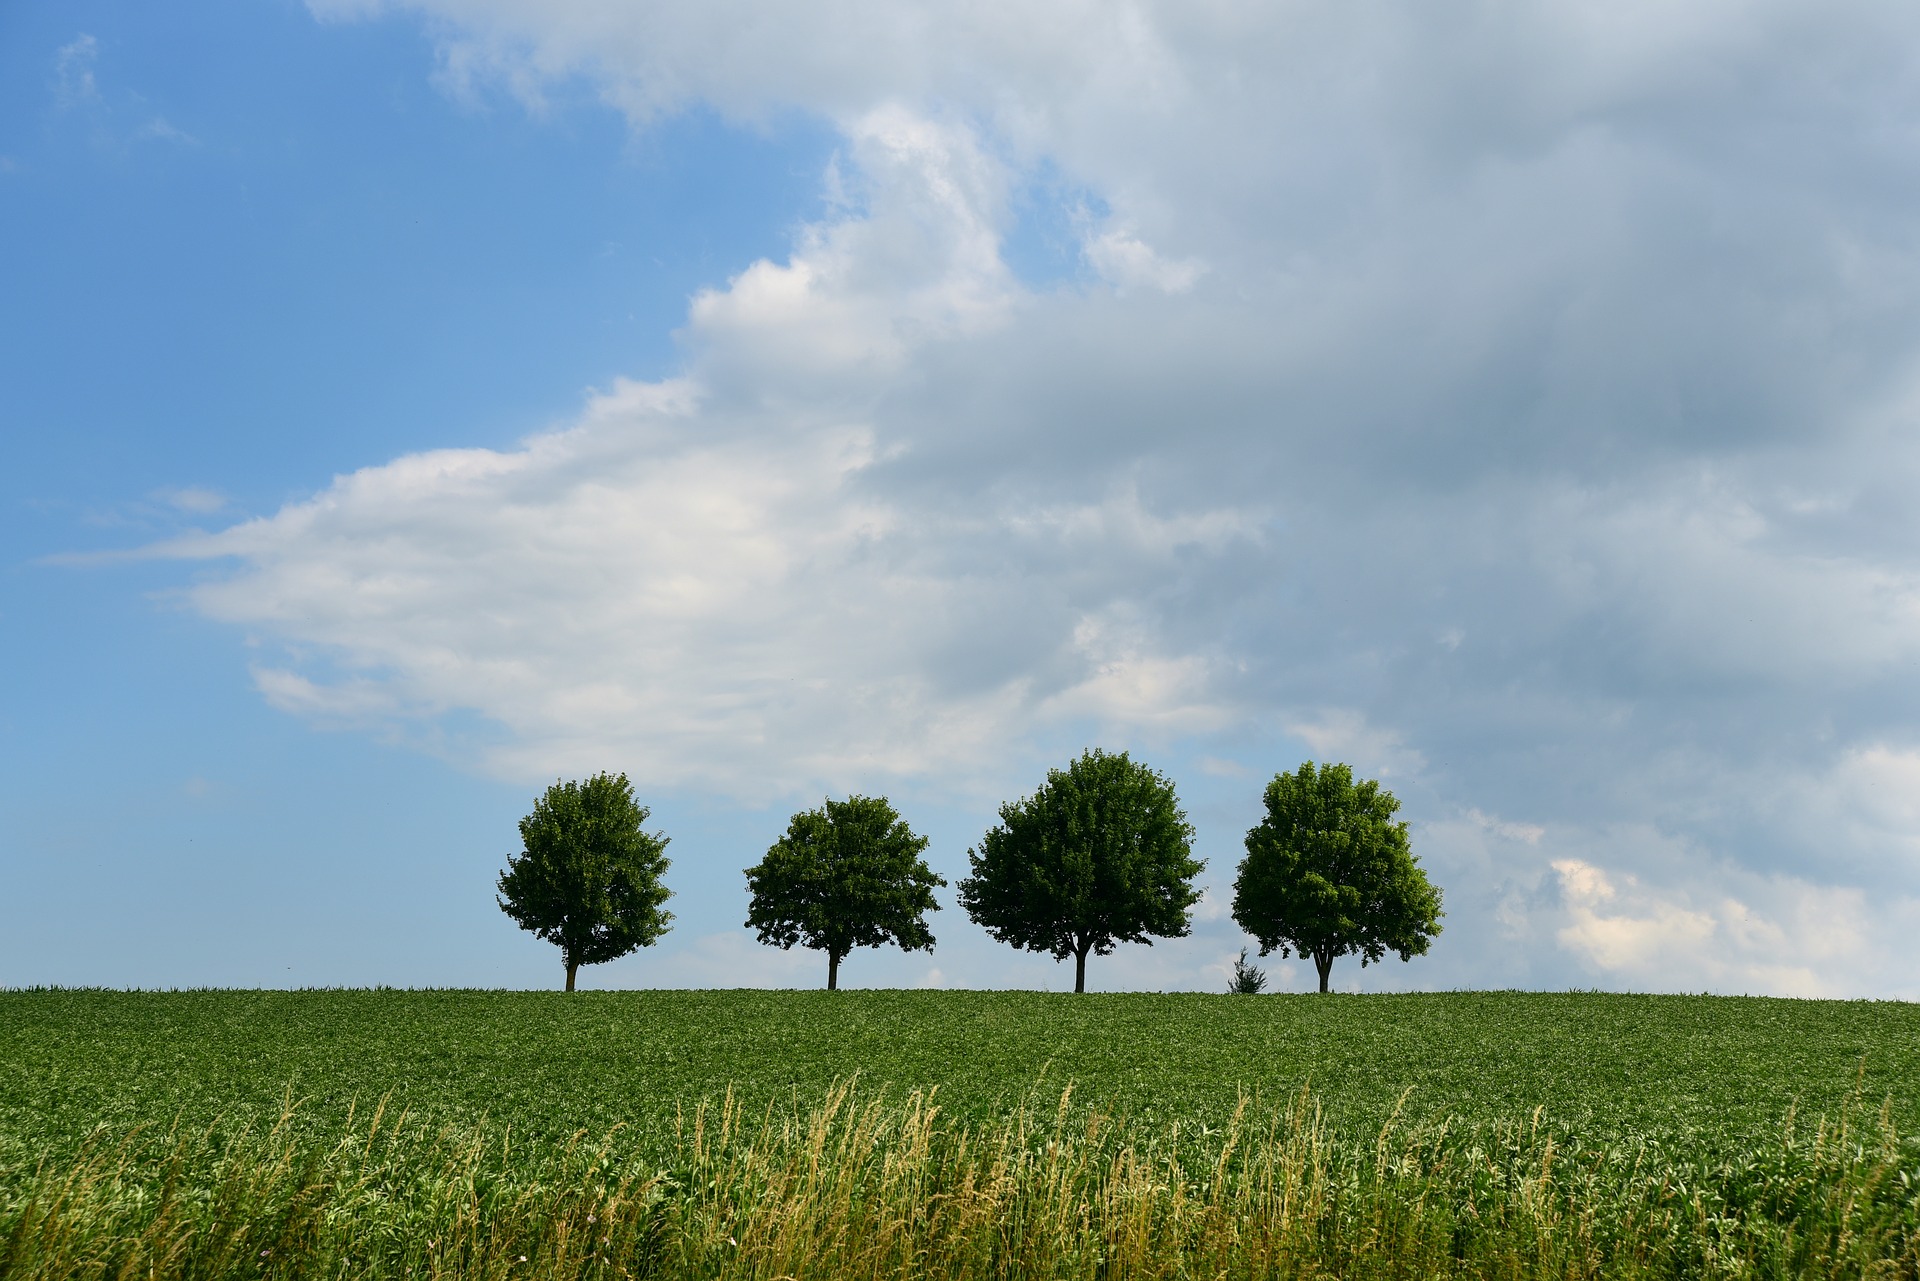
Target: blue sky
(408, 404)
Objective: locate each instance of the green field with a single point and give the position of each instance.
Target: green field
(1696, 1071)
(1634, 1135)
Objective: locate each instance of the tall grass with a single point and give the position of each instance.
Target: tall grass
(858, 1185)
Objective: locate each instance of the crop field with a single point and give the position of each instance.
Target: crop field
(1697, 1071)
(1474, 1133)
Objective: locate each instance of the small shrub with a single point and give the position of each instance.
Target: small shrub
(1248, 979)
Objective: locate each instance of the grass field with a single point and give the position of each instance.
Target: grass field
(1630, 1111)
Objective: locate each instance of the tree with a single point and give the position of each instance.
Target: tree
(1329, 873)
(846, 875)
(588, 875)
(1101, 854)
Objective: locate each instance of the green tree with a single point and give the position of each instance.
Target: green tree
(846, 875)
(588, 874)
(1101, 854)
(1329, 873)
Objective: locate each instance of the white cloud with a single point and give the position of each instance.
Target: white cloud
(195, 499)
(1124, 259)
(916, 259)
(74, 84)
(1862, 813)
(1814, 941)
(713, 596)
(76, 89)
(159, 129)
(1343, 734)
(1529, 833)
(356, 702)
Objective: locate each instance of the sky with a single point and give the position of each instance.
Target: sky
(408, 404)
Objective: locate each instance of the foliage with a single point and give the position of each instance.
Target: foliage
(846, 875)
(1248, 979)
(588, 876)
(846, 1185)
(1101, 854)
(1328, 873)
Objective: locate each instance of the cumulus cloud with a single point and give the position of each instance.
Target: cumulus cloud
(915, 258)
(1516, 403)
(712, 578)
(1809, 940)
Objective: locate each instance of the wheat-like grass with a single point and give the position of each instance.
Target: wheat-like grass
(863, 1184)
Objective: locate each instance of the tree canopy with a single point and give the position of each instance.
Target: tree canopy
(846, 875)
(1329, 873)
(588, 876)
(1101, 854)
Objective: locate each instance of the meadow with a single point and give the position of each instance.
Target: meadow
(1469, 1133)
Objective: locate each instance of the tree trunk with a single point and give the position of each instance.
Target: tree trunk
(833, 971)
(573, 967)
(1080, 967)
(1323, 961)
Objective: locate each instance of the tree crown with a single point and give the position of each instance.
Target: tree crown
(1100, 854)
(588, 876)
(1328, 872)
(846, 875)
